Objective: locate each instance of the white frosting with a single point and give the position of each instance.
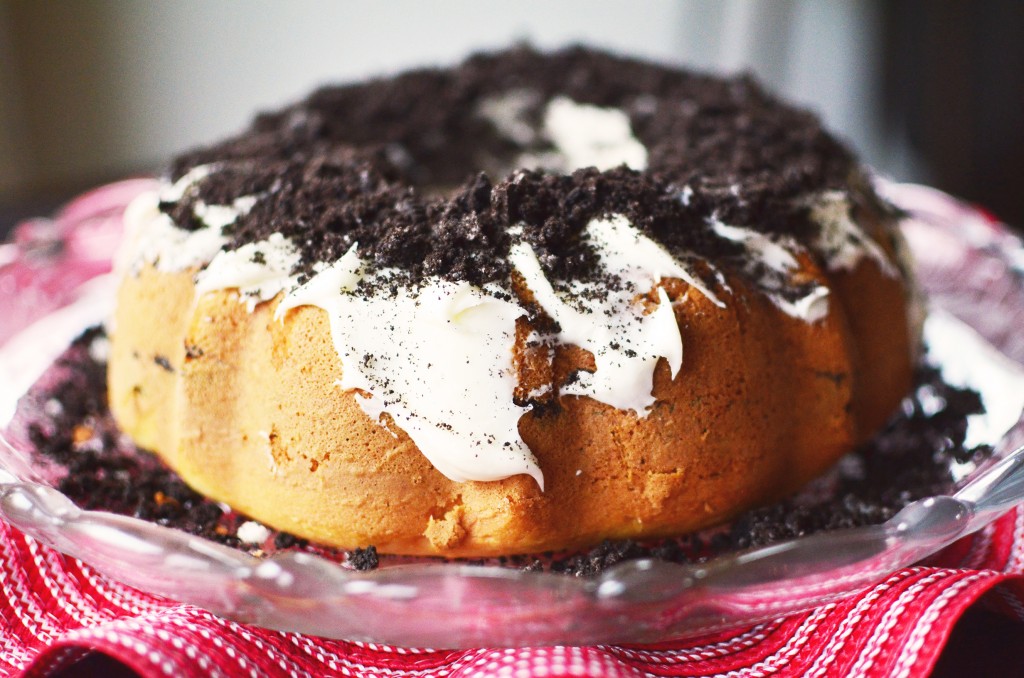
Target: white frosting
(176, 191)
(610, 322)
(774, 255)
(151, 237)
(251, 532)
(777, 255)
(218, 217)
(842, 242)
(259, 270)
(583, 135)
(592, 136)
(437, 358)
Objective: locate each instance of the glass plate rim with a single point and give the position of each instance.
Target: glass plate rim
(647, 600)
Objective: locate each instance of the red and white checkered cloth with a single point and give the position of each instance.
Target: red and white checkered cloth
(57, 610)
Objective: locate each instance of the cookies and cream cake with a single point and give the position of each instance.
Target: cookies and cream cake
(527, 303)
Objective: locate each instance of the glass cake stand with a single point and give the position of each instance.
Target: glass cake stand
(55, 283)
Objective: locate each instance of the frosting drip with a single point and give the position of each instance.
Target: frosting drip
(436, 358)
(610, 321)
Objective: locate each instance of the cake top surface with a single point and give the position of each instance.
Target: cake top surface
(427, 170)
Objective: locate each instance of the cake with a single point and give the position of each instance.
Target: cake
(524, 304)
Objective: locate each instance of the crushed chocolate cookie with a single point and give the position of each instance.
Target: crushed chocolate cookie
(67, 420)
(99, 469)
(287, 540)
(364, 559)
(375, 163)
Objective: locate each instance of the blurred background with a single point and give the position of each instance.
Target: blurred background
(93, 91)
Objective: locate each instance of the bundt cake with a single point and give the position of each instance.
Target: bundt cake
(523, 304)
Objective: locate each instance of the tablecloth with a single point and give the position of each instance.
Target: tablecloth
(56, 610)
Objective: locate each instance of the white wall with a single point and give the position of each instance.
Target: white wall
(113, 86)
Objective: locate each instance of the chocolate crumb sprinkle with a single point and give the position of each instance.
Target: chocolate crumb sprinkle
(364, 559)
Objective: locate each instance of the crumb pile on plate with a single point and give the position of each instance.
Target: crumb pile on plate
(528, 303)
(69, 423)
